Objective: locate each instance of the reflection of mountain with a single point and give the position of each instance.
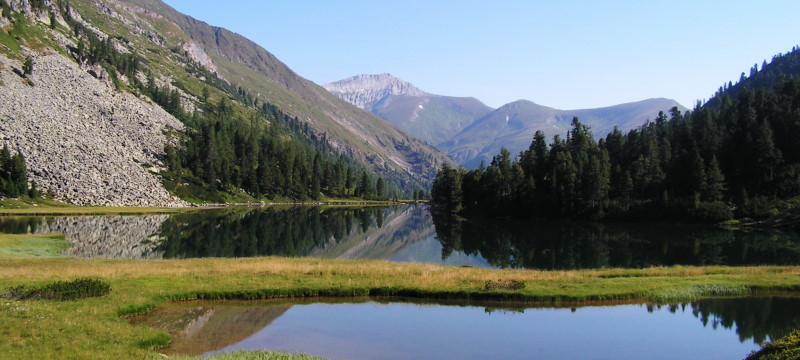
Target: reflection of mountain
(400, 227)
(406, 235)
(197, 329)
(112, 237)
(429, 251)
(543, 245)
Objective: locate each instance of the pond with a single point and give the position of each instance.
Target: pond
(408, 233)
(706, 329)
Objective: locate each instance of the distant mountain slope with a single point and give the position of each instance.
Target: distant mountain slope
(390, 151)
(431, 118)
(512, 126)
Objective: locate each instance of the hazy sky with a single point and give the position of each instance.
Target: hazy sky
(563, 54)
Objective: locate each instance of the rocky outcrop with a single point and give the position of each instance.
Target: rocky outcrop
(83, 141)
(365, 91)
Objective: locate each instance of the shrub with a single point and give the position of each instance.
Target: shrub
(759, 207)
(503, 285)
(785, 348)
(61, 290)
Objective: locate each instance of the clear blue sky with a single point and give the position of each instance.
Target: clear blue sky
(563, 54)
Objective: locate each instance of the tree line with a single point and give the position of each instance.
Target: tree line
(734, 157)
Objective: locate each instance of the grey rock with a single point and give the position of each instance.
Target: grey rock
(74, 145)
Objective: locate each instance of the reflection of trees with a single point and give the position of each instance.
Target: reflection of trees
(19, 225)
(755, 318)
(560, 245)
(234, 232)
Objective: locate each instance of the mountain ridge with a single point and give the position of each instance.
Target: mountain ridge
(427, 116)
(365, 90)
(512, 126)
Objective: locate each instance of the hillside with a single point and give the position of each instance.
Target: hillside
(129, 52)
(512, 126)
(431, 118)
(245, 64)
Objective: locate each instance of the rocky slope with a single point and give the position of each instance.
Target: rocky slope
(83, 141)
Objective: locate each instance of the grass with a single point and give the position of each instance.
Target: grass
(92, 327)
(254, 355)
(32, 246)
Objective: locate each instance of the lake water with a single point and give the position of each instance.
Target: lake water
(408, 233)
(707, 329)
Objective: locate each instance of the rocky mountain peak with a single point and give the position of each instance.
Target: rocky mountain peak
(365, 90)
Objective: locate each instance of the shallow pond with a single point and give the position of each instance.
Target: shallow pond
(408, 233)
(707, 329)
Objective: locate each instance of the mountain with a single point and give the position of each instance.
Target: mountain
(365, 91)
(429, 117)
(512, 126)
(125, 49)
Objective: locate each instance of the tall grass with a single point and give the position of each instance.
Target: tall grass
(696, 291)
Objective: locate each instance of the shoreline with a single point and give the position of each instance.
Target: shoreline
(137, 210)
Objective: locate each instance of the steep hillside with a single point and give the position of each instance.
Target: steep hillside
(512, 126)
(431, 118)
(86, 124)
(83, 141)
(389, 150)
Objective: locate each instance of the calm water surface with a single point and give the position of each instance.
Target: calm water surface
(708, 329)
(409, 233)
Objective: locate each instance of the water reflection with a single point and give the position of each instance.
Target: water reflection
(408, 233)
(113, 237)
(542, 245)
(709, 329)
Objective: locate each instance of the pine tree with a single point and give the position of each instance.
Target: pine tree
(380, 189)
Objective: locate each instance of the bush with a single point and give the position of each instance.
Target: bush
(503, 285)
(759, 207)
(785, 348)
(61, 290)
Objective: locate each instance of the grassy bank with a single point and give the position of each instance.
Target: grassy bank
(92, 328)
